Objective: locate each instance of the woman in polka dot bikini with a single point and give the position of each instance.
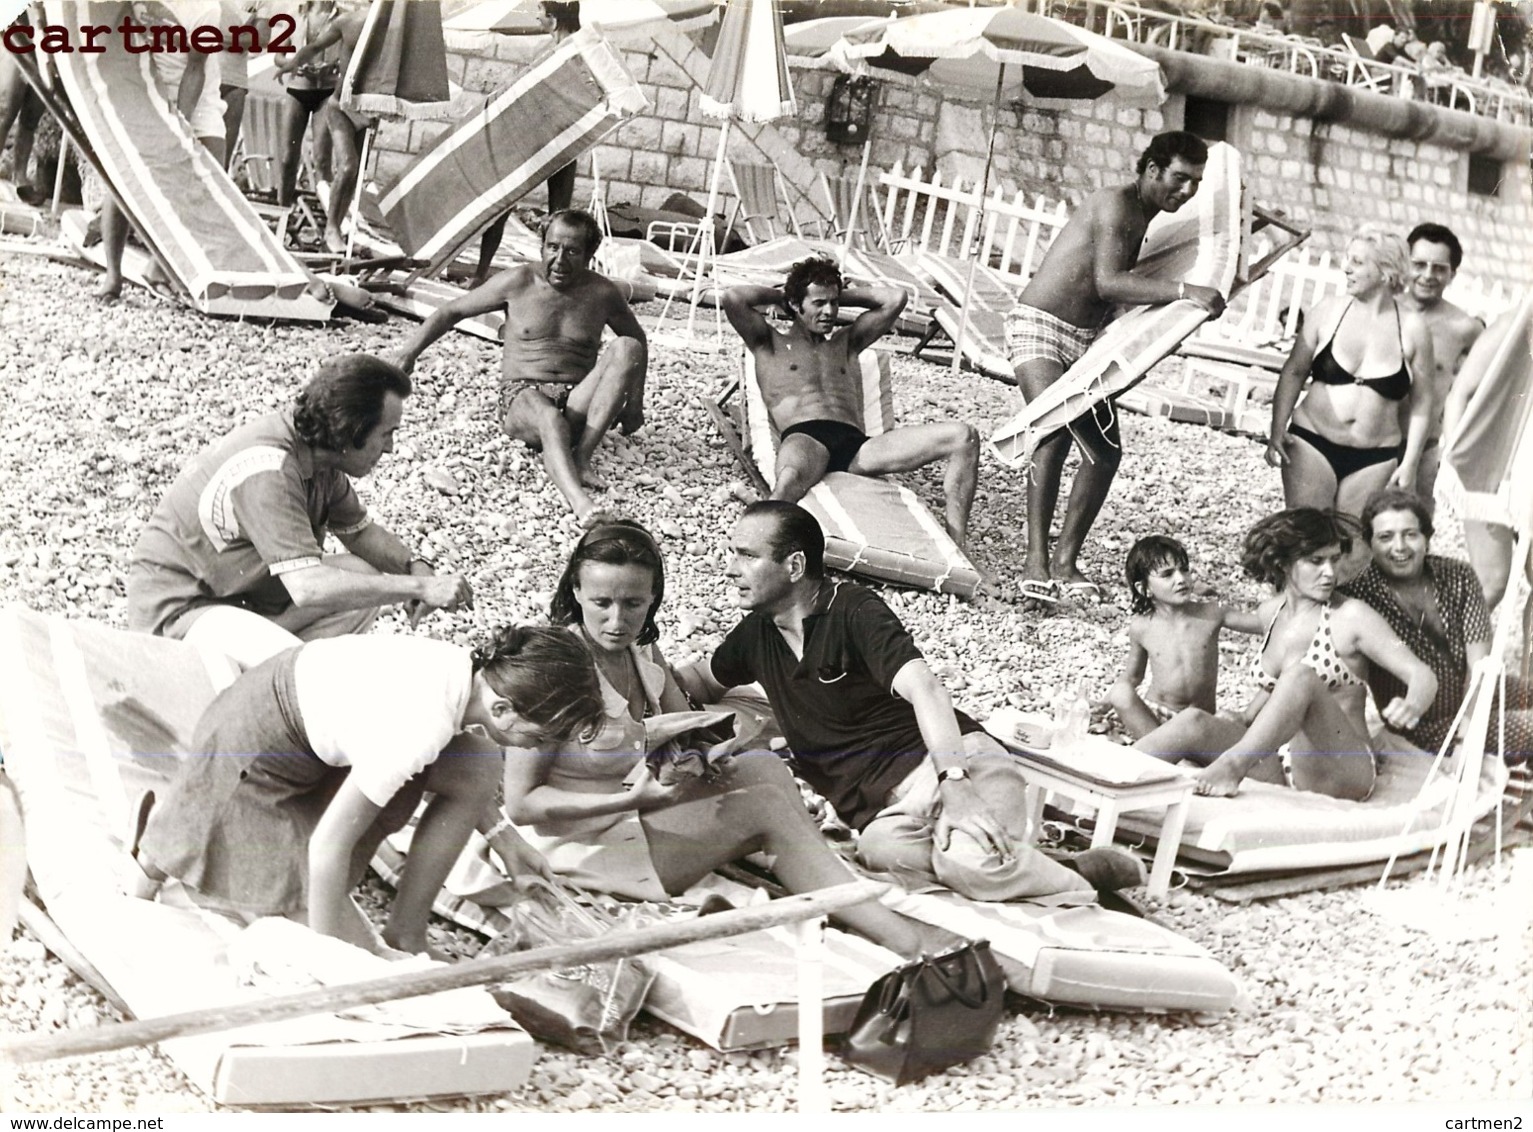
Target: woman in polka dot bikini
(1311, 673)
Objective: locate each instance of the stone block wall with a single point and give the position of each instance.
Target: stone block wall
(1327, 175)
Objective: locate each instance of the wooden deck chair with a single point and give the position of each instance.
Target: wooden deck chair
(1363, 70)
(764, 211)
(873, 527)
(993, 297)
(16, 215)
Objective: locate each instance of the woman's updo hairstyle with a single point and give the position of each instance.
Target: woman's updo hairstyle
(616, 542)
(546, 674)
(1275, 543)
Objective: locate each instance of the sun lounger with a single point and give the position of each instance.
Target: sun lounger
(873, 527)
(89, 719)
(477, 170)
(993, 296)
(1268, 828)
(210, 240)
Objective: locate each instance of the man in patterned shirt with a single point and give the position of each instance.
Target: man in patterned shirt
(1436, 606)
(233, 559)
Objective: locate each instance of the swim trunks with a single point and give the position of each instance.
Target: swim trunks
(841, 441)
(511, 390)
(1032, 334)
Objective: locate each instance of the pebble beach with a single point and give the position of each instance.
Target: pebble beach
(1346, 998)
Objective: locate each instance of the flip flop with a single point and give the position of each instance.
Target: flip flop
(1080, 590)
(1043, 592)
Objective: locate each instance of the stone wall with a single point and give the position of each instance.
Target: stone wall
(1326, 175)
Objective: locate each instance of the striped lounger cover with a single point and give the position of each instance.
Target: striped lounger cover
(872, 526)
(551, 115)
(90, 719)
(214, 243)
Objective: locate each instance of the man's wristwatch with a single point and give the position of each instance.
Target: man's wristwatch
(952, 774)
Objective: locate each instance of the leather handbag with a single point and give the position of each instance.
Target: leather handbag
(929, 1014)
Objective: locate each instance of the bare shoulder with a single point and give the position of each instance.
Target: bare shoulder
(1210, 612)
(510, 283)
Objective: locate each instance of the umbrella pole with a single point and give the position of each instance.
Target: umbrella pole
(862, 180)
(705, 247)
(984, 191)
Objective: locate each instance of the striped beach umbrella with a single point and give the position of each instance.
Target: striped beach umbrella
(525, 17)
(399, 67)
(813, 38)
(749, 77)
(1006, 51)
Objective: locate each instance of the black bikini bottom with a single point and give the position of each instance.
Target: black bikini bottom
(311, 98)
(1343, 458)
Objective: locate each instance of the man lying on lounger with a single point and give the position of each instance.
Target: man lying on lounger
(559, 390)
(811, 382)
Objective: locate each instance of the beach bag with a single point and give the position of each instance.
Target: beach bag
(929, 1014)
(586, 1008)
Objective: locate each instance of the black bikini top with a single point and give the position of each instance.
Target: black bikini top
(1327, 371)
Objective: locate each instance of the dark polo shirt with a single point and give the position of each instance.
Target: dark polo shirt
(854, 739)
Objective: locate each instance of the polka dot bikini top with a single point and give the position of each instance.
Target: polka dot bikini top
(1321, 657)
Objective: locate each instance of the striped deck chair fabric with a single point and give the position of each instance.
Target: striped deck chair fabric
(993, 296)
(873, 527)
(763, 210)
(212, 241)
(556, 111)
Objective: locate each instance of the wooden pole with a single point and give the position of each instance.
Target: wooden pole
(979, 227)
(411, 984)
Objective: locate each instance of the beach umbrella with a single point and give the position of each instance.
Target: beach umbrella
(525, 17)
(813, 38)
(399, 66)
(1005, 53)
(748, 80)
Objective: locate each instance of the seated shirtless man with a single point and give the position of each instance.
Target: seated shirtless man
(559, 390)
(811, 382)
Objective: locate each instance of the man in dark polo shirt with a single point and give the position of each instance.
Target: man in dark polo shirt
(935, 800)
(1436, 606)
(232, 559)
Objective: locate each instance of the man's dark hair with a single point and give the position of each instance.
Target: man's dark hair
(806, 273)
(1165, 148)
(793, 530)
(343, 401)
(1396, 499)
(1438, 234)
(582, 221)
(1150, 553)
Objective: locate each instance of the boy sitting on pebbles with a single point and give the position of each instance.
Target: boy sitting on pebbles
(1174, 634)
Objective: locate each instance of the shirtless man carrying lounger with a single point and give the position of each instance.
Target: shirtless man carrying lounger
(1087, 271)
(810, 381)
(559, 390)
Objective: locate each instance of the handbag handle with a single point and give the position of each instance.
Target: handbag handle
(969, 954)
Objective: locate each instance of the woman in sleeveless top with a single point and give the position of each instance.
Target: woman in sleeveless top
(1359, 352)
(1311, 673)
(604, 821)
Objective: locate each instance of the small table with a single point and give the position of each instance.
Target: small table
(1109, 800)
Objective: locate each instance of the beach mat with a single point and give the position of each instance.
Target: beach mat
(553, 113)
(215, 246)
(88, 718)
(873, 527)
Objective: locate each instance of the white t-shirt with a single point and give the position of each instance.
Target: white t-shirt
(384, 706)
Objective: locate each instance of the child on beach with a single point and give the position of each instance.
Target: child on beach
(1172, 633)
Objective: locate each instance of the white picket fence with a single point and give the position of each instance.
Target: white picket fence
(950, 219)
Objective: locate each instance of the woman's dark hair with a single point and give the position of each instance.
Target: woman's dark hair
(580, 220)
(1148, 554)
(564, 13)
(546, 674)
(1396, 499)
(621, 542)
(1275, 543)
(343, 401)
(793, 530)
(1166, 148)
(806, 273)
